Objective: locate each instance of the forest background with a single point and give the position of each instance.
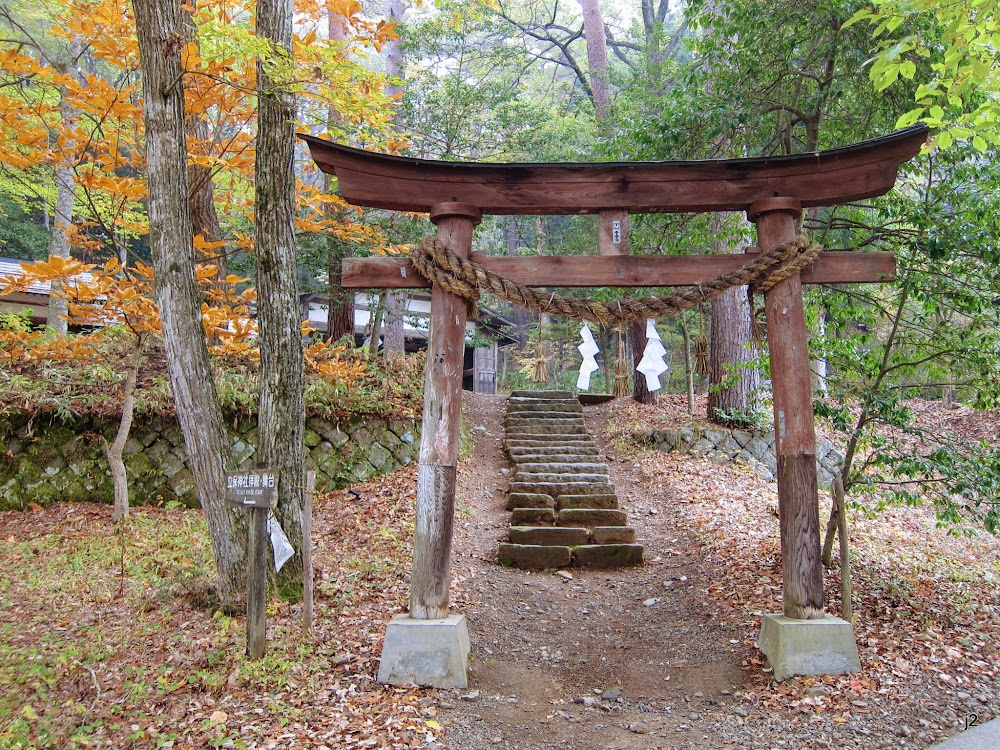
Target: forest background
(513, 81)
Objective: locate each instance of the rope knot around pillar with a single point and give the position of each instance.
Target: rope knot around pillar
(462, 277)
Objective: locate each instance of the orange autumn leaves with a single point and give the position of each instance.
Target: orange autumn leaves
(70, 96)
(113, 297)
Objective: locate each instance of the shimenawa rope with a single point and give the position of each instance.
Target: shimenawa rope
(459, 276)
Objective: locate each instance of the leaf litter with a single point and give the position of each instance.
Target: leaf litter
(108, 637)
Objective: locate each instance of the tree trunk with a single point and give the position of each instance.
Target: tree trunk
(62, 226)
(597, 58)
(637, 340)
(177, 294)
(281, 419)
(204, 216)
(732, 383)
(340, 313)
(115, 450)
(846, 593)
(688, 364)
(395, 303)
(819, 365)
(376, 331)
(394, 341)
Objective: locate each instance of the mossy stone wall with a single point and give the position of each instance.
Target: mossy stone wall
(752, 448)
(47, 460)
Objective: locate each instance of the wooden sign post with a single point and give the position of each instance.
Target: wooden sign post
(772, 190)
(254, 490)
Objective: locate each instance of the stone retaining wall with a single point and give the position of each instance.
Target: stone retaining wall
(753, 448)
(47, 461)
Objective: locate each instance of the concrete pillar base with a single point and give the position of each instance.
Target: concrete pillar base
(432, 653)
(808, 647)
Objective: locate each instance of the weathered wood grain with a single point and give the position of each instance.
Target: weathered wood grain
(307, 566)
(801, 569)
(832, 267)
(819, 179)
(438, 460)
(795, 435)
(257, 583)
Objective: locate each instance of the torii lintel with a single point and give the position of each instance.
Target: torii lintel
(824, 178)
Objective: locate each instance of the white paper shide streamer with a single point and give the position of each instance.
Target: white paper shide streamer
(652, 364)
(280, 545)
(589, 350)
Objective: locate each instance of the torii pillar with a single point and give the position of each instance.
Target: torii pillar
(429, 646)
(803, 639)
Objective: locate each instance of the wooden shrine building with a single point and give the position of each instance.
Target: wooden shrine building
(772, 191)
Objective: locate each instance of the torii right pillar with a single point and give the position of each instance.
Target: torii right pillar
(803, 640)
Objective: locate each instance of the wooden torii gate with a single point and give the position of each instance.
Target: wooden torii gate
(772, 191)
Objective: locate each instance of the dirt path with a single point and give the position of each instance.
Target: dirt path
(602, 659)
(647, 657)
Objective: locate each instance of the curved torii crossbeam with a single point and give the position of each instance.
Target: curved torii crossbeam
(403, 183)
(771, 190)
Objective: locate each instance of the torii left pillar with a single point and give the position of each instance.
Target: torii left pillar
(428, 646)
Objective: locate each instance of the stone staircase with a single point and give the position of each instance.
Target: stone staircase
(564, 509)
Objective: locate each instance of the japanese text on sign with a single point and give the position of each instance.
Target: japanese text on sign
(253, 489)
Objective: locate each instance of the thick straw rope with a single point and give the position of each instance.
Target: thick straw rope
(459, 276)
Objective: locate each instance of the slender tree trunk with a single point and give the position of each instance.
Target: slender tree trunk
(115, 450)
(281, 418)
(597, 58)
(395, 303)
(204, 216)
(340, 313)
(637, 340)
(846, 593)
(393, 314)
(607, 361)
(732, 382)
(819, 365)
(378, 314)
(688, 364)
(158, 27)
(520, 315)
(59, 243)
(62, 226)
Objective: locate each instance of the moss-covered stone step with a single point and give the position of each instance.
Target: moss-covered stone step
(591, 518)
(557, 429)
(535, 556)
(534, 517)
(535, 441)
(529, 500)
(595, 502)
(563, 488)
(542, 394)
(562, 467)
(530, 405)
(537, 477)
(613, 535)
(540, 415)
(607, 555)
(538, 453)
(551, 536)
